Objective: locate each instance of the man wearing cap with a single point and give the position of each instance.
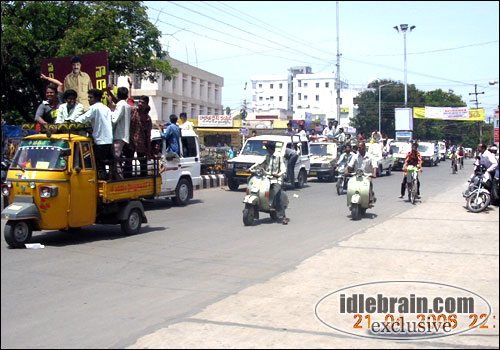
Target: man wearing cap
(276, 167)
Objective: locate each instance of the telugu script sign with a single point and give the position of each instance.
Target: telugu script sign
(215, 120)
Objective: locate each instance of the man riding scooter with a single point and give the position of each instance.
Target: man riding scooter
(342, 163)
(276, 167)
(365, 162)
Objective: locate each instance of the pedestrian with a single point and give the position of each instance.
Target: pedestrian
(302, 132)
(121, 130)
(289, 131)
(70, 110)
(186, 124)
(99, 116)
(231, 153)
(157, 156)
(78, 81)
(254, 133)
(291, 156)
(140, 136)
(171, 135)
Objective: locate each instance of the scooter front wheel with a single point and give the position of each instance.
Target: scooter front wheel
(248, 215)
(356, 212)
(340, 186)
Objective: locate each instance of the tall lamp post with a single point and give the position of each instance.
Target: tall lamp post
(379, 106)
(404, 28)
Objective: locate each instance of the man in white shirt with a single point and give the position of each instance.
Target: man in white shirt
(70, 110)
(186, 124)
(99, 116)
(121, 130)
(331, 130)
(364, 161)
(302, 132)
(488, 160)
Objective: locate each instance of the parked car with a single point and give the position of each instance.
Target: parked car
(428, 152)
(254, 151)
(323, 160)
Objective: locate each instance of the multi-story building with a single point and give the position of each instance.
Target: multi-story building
(191, 90)
(304, 95)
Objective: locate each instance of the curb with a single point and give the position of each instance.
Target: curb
(211, 181)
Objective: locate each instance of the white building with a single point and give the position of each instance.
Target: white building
(307, 94)
(191, 90)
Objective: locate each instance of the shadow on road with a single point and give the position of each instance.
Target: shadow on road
(87, 234)
(162, 204)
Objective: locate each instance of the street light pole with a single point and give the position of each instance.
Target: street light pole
(403, 28)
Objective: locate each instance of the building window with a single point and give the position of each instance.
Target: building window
(113, 78)
(305, 85)
(281, 98)
(254, 98)
(317, 97)
(271, 86)
(305, 97)
(260, 98)
(327, 85)
(137, 81)
(271, 98)
(281, 86)
(254, 85)
(300, 83)
(317, 85)
(173, 82)
(300, 96)
(260, 86)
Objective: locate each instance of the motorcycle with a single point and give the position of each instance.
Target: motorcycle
(477, 196)
(358, 194)
(258, 199)
(342, 178)
(412, 182)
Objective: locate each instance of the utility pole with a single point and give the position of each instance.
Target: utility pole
(477, 107)
(338, 67)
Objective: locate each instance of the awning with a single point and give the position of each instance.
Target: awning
(220, 130)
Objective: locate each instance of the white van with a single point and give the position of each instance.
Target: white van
(428, 153)
(182, 175)
(254, 152)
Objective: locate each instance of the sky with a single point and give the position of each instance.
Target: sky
(453, 46)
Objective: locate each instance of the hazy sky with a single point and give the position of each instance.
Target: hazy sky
(454, 44)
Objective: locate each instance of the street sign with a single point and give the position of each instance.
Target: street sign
(244, 132)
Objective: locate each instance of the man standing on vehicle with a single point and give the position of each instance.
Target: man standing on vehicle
(140, 136)
(331, 130)
(289, 131)
(172, 136)
(412, 158)
(291, 156)
(364, 161)
(99, 116)
(275, 166)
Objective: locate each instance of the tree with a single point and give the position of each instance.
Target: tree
(37, 30)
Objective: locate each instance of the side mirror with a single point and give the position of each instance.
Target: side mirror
(65, 152)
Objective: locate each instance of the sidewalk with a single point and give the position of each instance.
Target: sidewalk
(436, 240)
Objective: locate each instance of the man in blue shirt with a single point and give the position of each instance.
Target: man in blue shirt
(172, 136)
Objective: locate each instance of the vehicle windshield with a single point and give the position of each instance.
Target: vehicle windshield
(395, 149)
(257, 148)
(40, 155)
(423, 148)
(322, 150)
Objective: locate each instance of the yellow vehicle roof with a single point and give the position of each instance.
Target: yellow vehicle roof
(65, 137)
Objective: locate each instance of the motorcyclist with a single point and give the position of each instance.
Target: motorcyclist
(276, 167)
(364, 161)
(412, 158)
(345, 157)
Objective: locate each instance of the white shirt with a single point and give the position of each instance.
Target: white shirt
(303, 135)
(187, 125)
(121, 121)
(63, 116)
(330, 132)
(488, 160)
(367, 163)
(99, 116)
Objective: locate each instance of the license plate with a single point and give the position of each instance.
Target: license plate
(313, 173)
(242, 173)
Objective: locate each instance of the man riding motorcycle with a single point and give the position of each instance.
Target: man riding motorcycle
(274, 165)
(412, 158)
(364, 161)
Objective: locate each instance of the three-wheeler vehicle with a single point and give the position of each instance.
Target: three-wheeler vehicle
(53, 184)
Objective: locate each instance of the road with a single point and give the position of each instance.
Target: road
(99, 289)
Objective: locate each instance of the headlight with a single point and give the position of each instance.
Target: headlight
(325, 165)
(230, 165)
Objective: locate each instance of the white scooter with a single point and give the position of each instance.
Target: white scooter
(258, 198)
(358, 194)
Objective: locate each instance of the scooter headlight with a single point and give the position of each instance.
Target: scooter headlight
(5, 190)
(48, 191)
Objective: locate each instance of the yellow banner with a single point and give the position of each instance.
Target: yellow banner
(475, 115)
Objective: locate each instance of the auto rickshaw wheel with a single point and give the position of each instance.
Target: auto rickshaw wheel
(17, 233)
(132, 225)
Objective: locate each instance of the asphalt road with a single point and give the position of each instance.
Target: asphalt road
(99, 289)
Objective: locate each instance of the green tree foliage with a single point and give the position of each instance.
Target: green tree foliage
(465, 133)
(37, 30)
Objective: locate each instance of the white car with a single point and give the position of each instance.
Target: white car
(254, 151)
(399, 151)
(323, 160)
(181, 176)
(428, 153)
(385, 162)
